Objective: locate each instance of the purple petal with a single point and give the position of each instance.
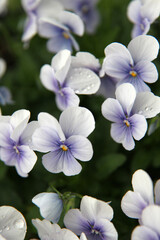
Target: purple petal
(80, 147)
(147, 71)
(137, 82)
(138, 126)
(45, 139)
(144, 233)
(5, 132)
(59, 43)
(106, 229)
(66, 98)
(132, 204)
(8, 155)
(112, 110)
(60, 161)
(75, 221)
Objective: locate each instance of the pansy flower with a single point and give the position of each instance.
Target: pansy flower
(50, 204)
(143, 194)
(66, 79)
(49, 231)
(128, 112)
(65, 141)
(15, 141)
(132, 64)
(93, 219)
(143, 13)
(149, 228)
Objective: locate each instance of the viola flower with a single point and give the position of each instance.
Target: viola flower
(149, 228)
(15, 141)
(12, 224)
(142, 195)
(50, 205)
(59, 31)
(93, 219)
(142, 14)
(3, 6)
(133, 64)
(128, 112)
(86, 9)
(66, 80)
(37, 9)
(49, 231)
(65, 141)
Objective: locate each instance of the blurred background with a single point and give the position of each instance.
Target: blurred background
(108, 175)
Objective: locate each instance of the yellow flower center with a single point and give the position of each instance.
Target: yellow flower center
(127, 123)
(133, 73)
(65, 35)
(16, 149)
(64, 147)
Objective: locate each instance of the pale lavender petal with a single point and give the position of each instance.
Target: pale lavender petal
(142, 183)
(8, 155)
(157, 192)
(112, 110)
(48, 79)
(50, 205)
(137, 82)
(106, 229)
(91, 21)
(83, 81)
(138, 126)
(26, 137)
(141, 29)
(107, 87)
(93, 209)
(77, 121)
(134, 10)
(59, 43)
(80, 147)
(66, 98)
(72, 21)
(60, 161)
(132, 204)
(128, 142)
(117, 66)
(26, 159)
(5, 96)
(143, 47)
(147, 71)
(30, 28)
(45, 139)
(144, 233)
(151, 218)
(75, 221)
(5, 132)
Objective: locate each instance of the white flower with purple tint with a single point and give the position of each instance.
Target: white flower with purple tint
(132, 64)
(93, 219)
(143, 14)
(12, 224)
(37, 9)
(66, 80)
(3, 6)
(142, 195)
(86, 9)
(48, 231)
(15, 141)
(149, 228)
(59, 31)
(50, 204)
(66, 140)
(128, 112)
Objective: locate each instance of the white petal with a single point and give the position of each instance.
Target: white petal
(48, 79)
(133, 11)
(143, 47)
(126, 94)
(77, 121)
(26, 136)
(85, 59)
(144, 233)
(2, 67)
(30, 28)
(151, 10)
(83, 81)
(19, 116)
(92, 209)
(147, 104)
(50, 205)
(142, 183)
(12, 225)
(61, 64)
(45, 119)
(157, 192)
(151, 218)
(83, 237)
